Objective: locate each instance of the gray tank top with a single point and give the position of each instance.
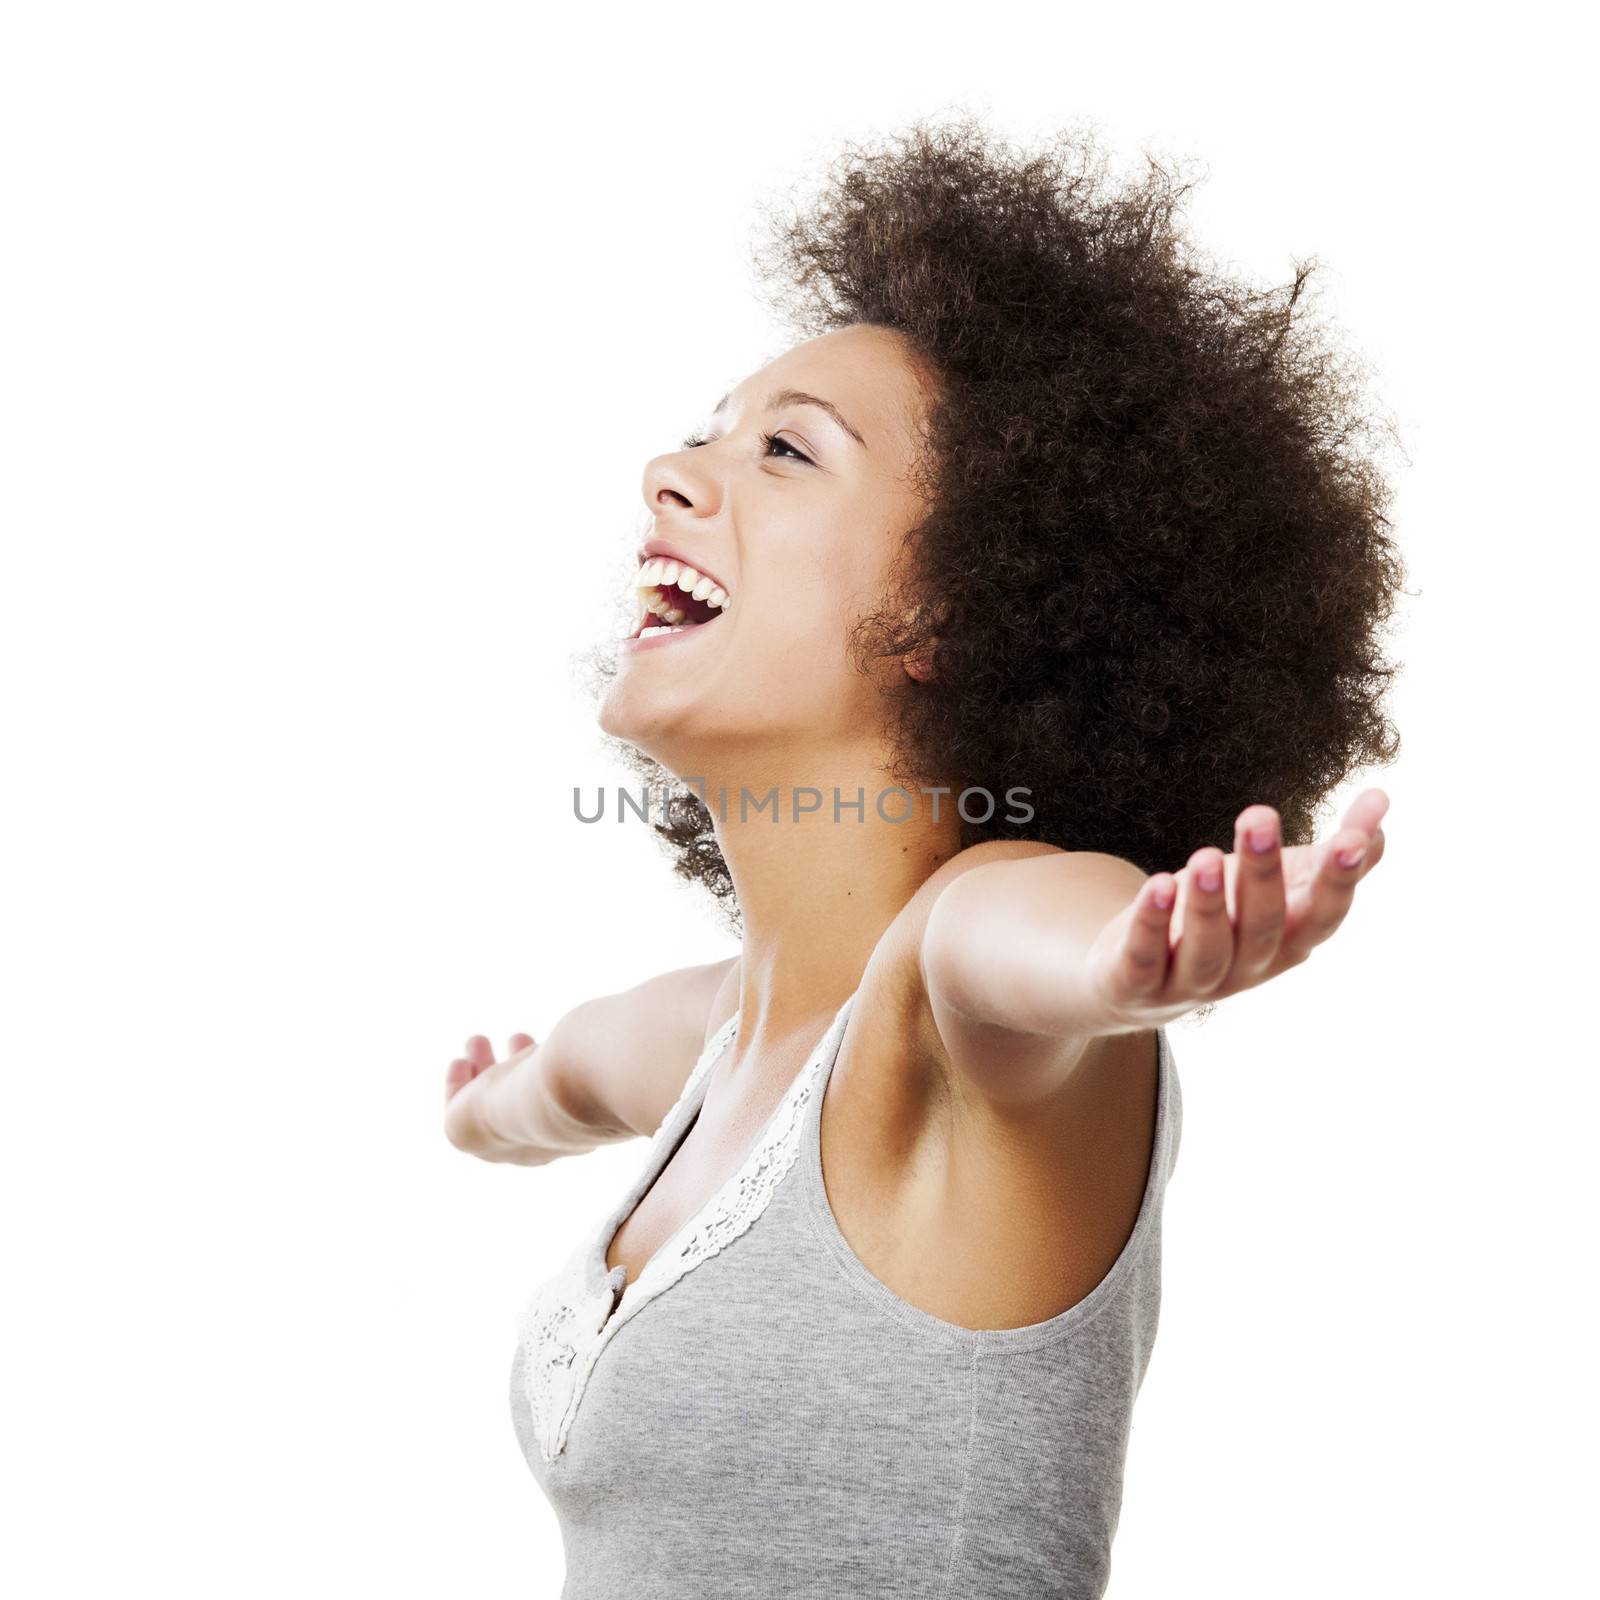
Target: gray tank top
(758, 1415)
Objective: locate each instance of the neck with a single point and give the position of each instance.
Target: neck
(818, 886)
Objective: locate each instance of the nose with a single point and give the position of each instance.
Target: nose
(676, 482)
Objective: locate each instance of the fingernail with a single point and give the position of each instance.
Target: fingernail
(1352, 857)
(1262, 837)
(1161, 896)
(1210, 879)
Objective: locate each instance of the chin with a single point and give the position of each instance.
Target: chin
(654, 723)
(621, 713)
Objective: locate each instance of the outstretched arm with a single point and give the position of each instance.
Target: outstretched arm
(610, 1069)
(1027, 957)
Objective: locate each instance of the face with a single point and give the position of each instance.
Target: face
(784, 524)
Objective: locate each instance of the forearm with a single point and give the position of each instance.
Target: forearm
(528, 1114)
(526, 1110)
(1008, 944)
(609, 1070)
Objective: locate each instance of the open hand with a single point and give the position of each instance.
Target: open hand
(1233, 921)
(479, 1056)
(464, 1122)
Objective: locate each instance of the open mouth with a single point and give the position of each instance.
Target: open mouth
(676, 597)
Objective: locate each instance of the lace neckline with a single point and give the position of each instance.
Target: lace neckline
(570, 1319)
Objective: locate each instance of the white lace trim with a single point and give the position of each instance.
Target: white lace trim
(569, 1319)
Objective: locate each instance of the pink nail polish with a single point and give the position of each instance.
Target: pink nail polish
(1210, 879)
(1353, 856)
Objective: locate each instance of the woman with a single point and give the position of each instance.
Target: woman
(1000, 639)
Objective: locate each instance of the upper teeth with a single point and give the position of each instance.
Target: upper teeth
(658, 576)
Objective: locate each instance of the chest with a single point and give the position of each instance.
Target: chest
(733, 1124)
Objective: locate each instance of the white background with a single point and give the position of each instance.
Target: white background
(335, 339)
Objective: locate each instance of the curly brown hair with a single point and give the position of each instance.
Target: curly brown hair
(1156, 568)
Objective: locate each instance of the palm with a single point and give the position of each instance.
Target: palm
(1265, 913)
(1300, 863)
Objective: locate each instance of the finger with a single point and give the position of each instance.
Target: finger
(1374, 853)
(1259, 903)
(1326, 900)
(1139, 971)
(479, 1051)
(521, 1041)
(1366, 811)
(460, 1072)
(1205, 947)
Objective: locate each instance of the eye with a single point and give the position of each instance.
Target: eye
(768, 440)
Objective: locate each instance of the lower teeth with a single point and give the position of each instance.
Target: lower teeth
(644, 633)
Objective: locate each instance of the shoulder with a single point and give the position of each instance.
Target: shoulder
(967, 923)
(620, 1061)
(981, 1188)
(904, 934)
(903, 941)
(978, 855)
(893, 1003)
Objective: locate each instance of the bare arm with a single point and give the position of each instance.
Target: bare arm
(1033, 952)
(1005, 962)
(609, 1070)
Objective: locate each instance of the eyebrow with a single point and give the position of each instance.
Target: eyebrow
(798, 397)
